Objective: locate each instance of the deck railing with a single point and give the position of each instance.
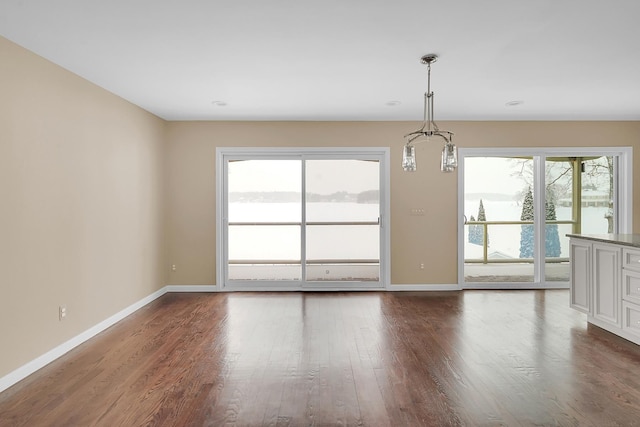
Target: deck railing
(485, 247)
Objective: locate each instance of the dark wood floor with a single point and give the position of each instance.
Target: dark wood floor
(331, 359)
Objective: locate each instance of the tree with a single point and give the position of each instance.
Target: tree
(551, 237)
(557, 175)
(598, 172)
(595, 170)
(481, 214)
(475, 232)
(480, 227)
(526, 231)
(369, 196)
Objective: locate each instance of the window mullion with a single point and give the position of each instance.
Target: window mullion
(303, 222)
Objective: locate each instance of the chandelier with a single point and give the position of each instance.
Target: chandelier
(429, 128)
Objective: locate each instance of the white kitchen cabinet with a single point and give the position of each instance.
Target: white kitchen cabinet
(605, 281)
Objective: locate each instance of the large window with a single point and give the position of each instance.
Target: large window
(518, 205)
(302, 218)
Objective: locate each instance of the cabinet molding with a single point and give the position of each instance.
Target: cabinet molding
(580, 277)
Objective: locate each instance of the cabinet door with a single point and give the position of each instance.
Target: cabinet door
(580, 256)
(606, 283)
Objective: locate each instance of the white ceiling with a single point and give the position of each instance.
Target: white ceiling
(346, 59)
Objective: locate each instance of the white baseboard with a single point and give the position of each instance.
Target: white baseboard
(24, 371)
(214, 288)
(192, 288)
(423, 287)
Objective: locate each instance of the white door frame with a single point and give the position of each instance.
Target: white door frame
(382, 154)
(623, 201)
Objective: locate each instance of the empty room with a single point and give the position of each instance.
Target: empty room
(319, 213)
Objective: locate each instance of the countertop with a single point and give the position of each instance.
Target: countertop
(622, 239)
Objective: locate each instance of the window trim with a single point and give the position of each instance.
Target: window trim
(382, 154)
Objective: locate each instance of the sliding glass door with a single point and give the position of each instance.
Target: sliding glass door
(518, 205)
(264, 213)
(499, 215)
(296, 219)
(342, 220)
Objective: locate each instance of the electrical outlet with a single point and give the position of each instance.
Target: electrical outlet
(422, 266)
(173, 267)
(62, 312)
(416, 212)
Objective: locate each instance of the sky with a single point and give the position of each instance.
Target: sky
(482, 175)
(491, 175)
(323, 176)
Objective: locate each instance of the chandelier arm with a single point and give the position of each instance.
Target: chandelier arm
(445, 137)
(413, 136)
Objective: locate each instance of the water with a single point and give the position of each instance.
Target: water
(292, 212)
(323, 241)
(363, 241)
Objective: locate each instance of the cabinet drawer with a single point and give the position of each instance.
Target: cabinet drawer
(631, 286)
(631, 318)
(631, 259)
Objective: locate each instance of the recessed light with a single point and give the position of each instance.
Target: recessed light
(392, 103)
(219, 103)
(513, 103)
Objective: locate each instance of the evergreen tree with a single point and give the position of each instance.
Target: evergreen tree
(526, 232)
(481, 217)
(475, 233)
(481, 214)
(551, 237)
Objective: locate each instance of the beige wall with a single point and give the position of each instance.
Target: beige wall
(80, 205)
(190, 198)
